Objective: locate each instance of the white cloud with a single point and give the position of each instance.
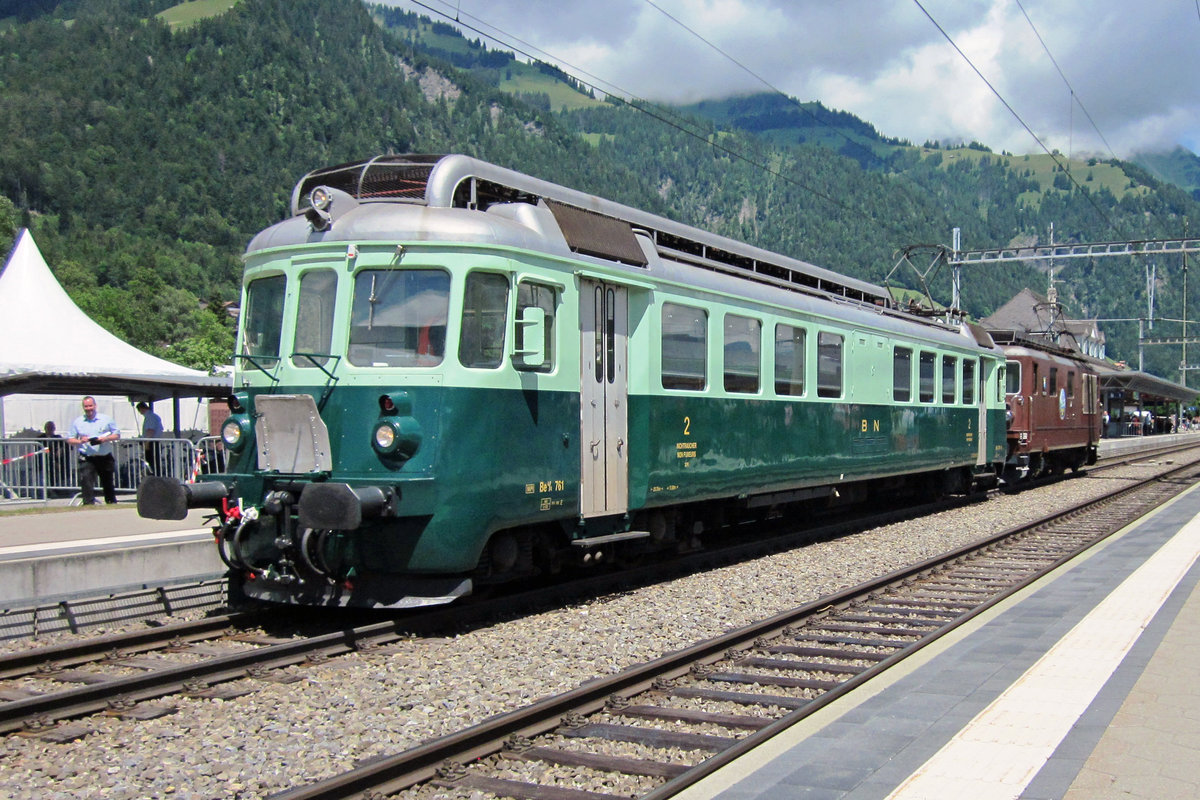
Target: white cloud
(1132, 65)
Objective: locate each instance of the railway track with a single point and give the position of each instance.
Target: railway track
(231, 655)
(654, 729)
(122, 673)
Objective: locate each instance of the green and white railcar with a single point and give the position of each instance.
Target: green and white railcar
(449, 374)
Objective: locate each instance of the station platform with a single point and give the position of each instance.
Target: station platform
(52, 553)
(1082, 687)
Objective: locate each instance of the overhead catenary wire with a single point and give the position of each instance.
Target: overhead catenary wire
(1074, 95)
(1053, 156)
(662, 114)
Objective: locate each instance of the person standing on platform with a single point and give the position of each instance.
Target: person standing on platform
(56, 458)
(92, 434)
(152, 428)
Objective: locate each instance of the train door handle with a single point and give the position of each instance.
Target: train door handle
(620, 444)
(595, 444)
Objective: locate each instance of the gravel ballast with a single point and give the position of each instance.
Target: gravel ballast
(367, 705)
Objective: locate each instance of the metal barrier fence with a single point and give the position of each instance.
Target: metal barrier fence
(75, 615)
(45, 469)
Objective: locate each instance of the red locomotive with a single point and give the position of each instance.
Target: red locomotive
(1054, 416)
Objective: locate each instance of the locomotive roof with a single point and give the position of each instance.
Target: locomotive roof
(423, 197)
(457, 181)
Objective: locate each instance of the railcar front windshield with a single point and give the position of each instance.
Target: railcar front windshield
(263, 324)
(398, 318)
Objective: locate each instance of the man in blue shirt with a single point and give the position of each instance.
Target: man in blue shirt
(152, 428)
(92, 435)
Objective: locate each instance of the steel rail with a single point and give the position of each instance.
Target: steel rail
(421, 763)
(74, 652)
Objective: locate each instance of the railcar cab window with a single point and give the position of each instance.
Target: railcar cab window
(684, 347)
(927, 367)
(1053, 380)
(949, 378)
(743, 344)
(968, 382)
(314, 318)
(1012, 374)
(902, 374)
(264, 316)
(484, 320)
(537, 295)
(398, 318)
(829, 364)
(789, 360)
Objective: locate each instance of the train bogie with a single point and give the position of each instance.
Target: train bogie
(450, 374)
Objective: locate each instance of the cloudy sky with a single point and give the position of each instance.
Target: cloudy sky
(1129, 80)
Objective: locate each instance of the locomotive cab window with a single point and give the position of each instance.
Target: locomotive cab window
(684, 346)
(949, 378)
(927, 378)
(902, 374)
(264, 316)
(829, 364)
(314, 318)
(398, 318)
(532, 295)
(484, 314)
(743, 344)
(789, 360)
(1012, 374)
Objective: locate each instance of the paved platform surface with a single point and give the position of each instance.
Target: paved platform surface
(1083, 687)
(54, 553)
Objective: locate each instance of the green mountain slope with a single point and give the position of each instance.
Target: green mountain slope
(144, 156)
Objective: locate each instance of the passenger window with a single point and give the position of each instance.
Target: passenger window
(829, 364)
(684, 346)
(1053, 380)
(538, 295)
(1071, 384)
(1012, 373)
(902, 374)
(398, 318)
(949, 378)
(743, 345)
(314, 318)
(262, 329)
(789, 361)
(968, 382)
(484, 318)
(926, 378)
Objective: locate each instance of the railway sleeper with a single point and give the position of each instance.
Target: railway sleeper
(741, 698)
(798, 666)
(604, 763)
(825, 652)
(503, 787)
(693, 717)
(652, 737)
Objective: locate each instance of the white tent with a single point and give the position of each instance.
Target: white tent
(49, 346)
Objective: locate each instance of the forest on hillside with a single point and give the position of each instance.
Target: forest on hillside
(144, 158)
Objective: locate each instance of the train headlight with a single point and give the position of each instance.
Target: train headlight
(396, 439)
(384, 438)
(235, 432)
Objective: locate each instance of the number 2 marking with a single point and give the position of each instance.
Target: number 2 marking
(687, 426)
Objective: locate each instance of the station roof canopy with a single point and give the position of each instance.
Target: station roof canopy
(49, 346)
(1127, 380)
